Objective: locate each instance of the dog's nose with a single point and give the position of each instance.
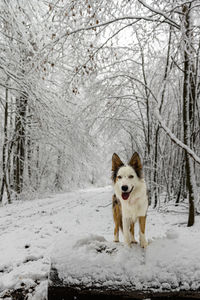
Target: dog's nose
(124, 188)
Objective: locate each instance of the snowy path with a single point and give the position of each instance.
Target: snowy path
(29, 230)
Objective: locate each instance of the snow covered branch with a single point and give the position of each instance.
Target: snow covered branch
(135, 18)
(174, 138)
(161, 13)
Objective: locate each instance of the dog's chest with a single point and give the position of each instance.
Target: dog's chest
(130, 210)
(134, 210)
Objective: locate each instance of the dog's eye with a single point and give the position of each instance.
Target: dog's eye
(119, 177)
(131, 176)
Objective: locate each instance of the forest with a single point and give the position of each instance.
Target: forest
(81, 79)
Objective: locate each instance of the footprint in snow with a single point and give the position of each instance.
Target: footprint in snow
(29, 258)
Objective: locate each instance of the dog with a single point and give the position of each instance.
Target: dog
(130, 201)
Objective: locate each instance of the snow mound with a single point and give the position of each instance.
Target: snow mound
(95, 262)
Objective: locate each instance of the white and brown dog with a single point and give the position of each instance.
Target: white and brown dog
(130, 201)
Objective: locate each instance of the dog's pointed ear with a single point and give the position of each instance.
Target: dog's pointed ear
(116, 162)
(136, 163)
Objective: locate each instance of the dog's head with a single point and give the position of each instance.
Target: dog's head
(126, 177)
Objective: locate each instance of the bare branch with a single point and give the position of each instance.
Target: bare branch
(174, 138)
(159, 12)
(136, 18)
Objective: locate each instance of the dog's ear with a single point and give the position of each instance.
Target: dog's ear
(136, 163)
(116, 162)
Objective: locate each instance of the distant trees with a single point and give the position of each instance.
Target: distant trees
(43, 147)
(147, 82)
(17, 60)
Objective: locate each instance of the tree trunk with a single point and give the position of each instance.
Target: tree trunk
(156, 190)
(4, 156)
(20, 130)
(188, 117)
(155, 168)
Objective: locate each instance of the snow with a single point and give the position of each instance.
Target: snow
(169, 263)
(75, 231)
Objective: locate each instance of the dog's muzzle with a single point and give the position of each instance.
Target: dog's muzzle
(125, 194)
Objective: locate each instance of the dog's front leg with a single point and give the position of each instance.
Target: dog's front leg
(126, 230)
(142, 222)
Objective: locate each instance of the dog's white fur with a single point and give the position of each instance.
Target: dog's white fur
(137, 203)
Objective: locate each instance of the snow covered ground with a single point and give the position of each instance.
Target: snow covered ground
(76, 229)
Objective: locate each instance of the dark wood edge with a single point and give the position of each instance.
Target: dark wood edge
(60, 290)
(68, 293)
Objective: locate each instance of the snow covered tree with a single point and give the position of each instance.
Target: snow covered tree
(153, 87)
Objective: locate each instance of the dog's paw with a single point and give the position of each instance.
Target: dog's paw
(127, 243)
(143, 243)
(134, 242)
(116, 238)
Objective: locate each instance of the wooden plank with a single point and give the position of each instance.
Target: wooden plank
(59, 290)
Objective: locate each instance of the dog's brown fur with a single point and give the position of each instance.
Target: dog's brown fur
(117, 216)
(142, 223)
